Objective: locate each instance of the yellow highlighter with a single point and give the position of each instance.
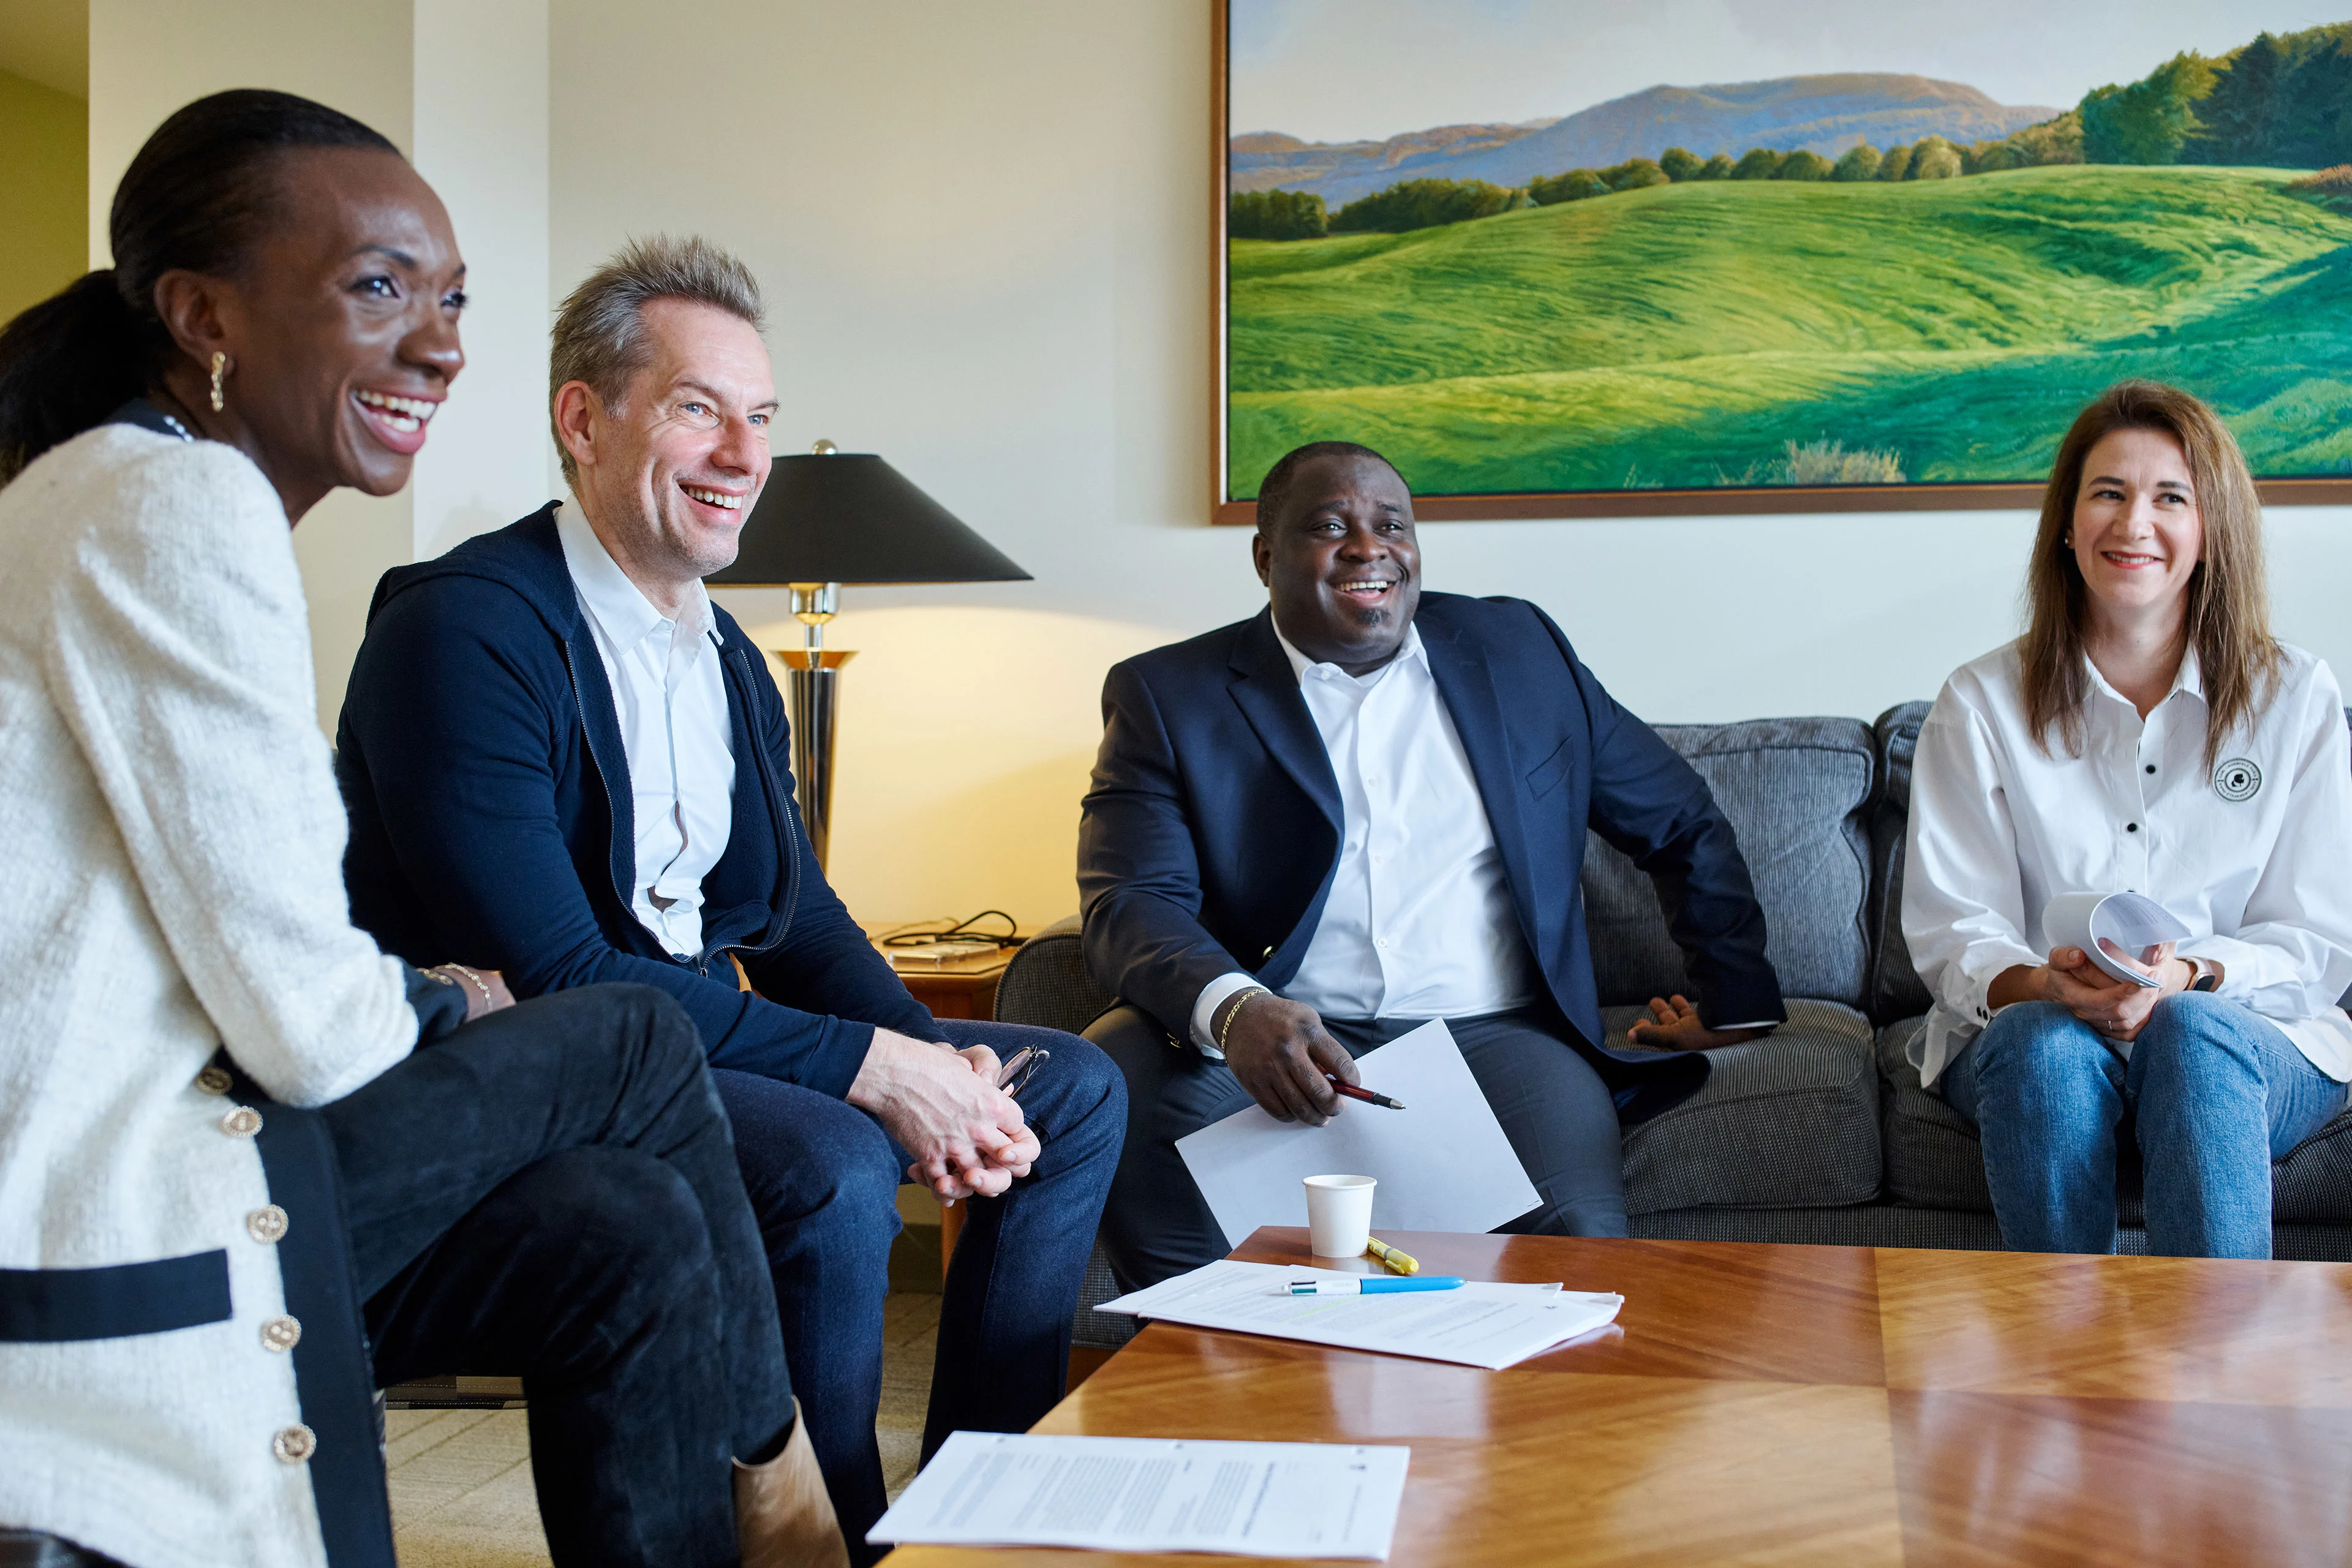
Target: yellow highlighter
(1398, 1262)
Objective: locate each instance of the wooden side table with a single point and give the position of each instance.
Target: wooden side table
(958, 994)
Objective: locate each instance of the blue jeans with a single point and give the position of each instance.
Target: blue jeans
(2215, 1091)
(824, 1180)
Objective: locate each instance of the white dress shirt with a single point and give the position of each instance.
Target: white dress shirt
(2255, 854)
(1419, 922)
(672, 702)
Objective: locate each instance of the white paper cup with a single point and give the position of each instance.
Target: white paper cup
(1339, 1215)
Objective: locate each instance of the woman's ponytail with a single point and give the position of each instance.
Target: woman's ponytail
(65, 364)
(196, 198)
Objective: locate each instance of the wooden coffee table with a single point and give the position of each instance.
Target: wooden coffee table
(1812, 1404)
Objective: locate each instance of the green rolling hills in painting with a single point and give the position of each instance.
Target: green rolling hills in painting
(1685, 335)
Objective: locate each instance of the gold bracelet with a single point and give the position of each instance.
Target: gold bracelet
(1235, 1011)
(477, 981)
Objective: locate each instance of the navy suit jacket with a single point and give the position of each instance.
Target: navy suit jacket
(481, 762)
(1212, 831)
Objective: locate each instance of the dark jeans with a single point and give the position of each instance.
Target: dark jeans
(551, 1189)
(1552, 1105)
(823, 1178)
(2213, 1093)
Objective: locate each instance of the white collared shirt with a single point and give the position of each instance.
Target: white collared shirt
(2255, 855)
(672, 702)
(1419, 922)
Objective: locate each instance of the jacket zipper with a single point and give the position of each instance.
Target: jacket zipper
(792, 839)
(603, 783)
(779, 807)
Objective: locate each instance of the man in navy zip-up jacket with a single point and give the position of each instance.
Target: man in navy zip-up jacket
(487, 762)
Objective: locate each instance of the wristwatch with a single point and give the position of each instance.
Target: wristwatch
(2202, 978)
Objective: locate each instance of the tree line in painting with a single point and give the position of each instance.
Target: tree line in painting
(2280, 102)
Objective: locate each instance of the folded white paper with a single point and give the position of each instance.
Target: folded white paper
(1153, 1494)
(1481, 1324)
(2133, 921)
(1443, 1162)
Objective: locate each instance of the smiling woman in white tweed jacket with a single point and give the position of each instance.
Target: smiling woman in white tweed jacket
(183, 1381)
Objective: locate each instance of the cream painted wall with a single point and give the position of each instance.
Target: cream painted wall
(984, 236)
(44, 164)
(481, 97)
(983, 231)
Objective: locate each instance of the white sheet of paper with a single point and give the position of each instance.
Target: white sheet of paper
(1153, 1494)
(1481, 1324)
(1443, 1162)
(2133, 921)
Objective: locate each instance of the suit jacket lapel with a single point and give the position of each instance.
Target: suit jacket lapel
(1466, 687)
(1266, 689)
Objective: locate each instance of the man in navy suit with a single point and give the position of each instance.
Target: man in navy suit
(1363, 808)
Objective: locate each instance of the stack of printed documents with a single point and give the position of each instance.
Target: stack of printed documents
(1153, 1494)
(1481, 1324)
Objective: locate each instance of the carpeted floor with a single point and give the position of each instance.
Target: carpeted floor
(461, 1491)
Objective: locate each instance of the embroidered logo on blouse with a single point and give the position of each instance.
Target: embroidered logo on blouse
(2237, 779)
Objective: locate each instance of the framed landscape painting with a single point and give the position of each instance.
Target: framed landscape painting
(1573, 258)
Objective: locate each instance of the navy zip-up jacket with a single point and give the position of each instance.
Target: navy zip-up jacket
(481, 762)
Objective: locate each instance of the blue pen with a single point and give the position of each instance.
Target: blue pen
(1373, 1284)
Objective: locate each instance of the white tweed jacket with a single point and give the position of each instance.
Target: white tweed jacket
(173, 848)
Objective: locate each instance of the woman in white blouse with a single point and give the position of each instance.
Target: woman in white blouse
(2147, 735)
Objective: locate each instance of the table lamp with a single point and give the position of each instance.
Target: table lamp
(829, 517)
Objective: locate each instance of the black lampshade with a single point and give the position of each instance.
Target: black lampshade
(849, 517)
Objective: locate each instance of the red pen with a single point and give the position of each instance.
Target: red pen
(1354, 1092)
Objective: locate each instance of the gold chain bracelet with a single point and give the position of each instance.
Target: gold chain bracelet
(477, 982)
(1235, 1011)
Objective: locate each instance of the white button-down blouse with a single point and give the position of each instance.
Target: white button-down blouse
(2255, 854)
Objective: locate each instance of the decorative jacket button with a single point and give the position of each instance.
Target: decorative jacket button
(242, 1122)
(280, 1334)
(265, 1223)
(213, 1080)
(295, 1445)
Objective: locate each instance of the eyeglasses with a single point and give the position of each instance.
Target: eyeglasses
(1017, 1073)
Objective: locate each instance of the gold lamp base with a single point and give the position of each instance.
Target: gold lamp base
(812, 698)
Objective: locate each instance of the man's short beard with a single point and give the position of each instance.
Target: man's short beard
(705, 568)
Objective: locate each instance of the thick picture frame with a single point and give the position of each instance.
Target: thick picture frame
(1729, 498)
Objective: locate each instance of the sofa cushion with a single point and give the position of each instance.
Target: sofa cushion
(1787, 1122)
(1933, 1158)
(2312, 1185)
(1894, 991)
(1796, 791)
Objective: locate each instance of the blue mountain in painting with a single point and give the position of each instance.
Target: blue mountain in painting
(1824, 114)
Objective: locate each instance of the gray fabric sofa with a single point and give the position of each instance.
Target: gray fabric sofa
(1822, 1131)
